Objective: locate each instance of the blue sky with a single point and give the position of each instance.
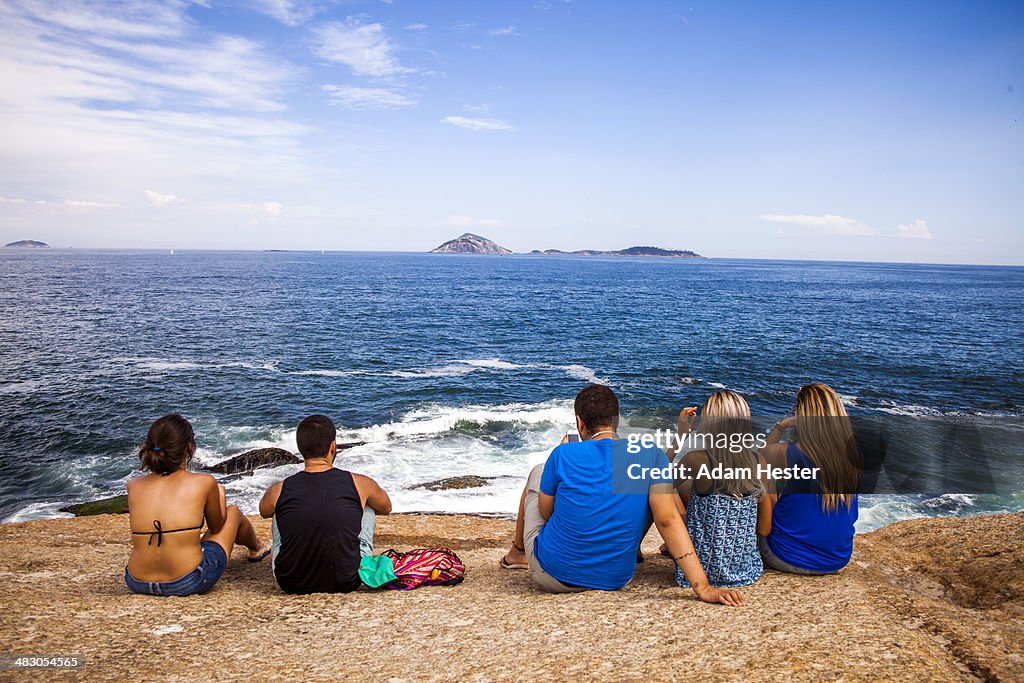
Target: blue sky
(860, 131)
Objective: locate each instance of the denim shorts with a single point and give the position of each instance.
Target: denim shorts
(196, 582)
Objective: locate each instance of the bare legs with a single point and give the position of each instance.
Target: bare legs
(237, 529)
(517, 553)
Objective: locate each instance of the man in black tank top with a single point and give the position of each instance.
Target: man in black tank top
(323, 517)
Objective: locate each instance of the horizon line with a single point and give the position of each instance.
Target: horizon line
(6, 249)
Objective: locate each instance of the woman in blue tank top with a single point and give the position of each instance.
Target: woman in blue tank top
(812, 520)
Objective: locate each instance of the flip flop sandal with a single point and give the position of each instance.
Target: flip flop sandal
(506, 565)
(260, 557)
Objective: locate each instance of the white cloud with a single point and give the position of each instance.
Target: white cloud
(102, 100)
(364, 48)
(470, 222)
(84, 204)
(161, 200)
(831, 224)
(367, 98)
(828, 223)
(504, 31)
(273, 209)
(916, 230)
(288, 12)
(70, 204)
(415, 27)
(477, 124)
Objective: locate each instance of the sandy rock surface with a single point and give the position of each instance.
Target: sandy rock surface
(937, 599)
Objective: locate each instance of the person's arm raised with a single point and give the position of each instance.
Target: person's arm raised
(268, 504)
(779, 429)
(684, 425)
(670, 526)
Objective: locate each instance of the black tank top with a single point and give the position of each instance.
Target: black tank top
(318, 518)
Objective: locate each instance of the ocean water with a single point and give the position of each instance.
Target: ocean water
(450, 365)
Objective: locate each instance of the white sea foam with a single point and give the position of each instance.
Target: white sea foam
(26, 387)
(427, 444)
(717, 385)
(690, 380)
(894, 408)
(435, 420)
(38, 511)
(330, 373)
(492, 363)
(849, 401)
(582, 372)
(164, 365)
(452, 370)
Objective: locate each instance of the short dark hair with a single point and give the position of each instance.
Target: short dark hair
(597, 406)
(315, 435)
(170, 445)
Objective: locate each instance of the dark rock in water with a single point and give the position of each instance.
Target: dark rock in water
(252, 460)
(118, 505)
(468, 243)
(30, 244)
(470, 481)
(350, 444)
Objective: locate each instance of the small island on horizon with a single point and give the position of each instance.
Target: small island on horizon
(657, 252)
(27, 244)
(469, 243)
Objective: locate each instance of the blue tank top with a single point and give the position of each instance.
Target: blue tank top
(803, 534)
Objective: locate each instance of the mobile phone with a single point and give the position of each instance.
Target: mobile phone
(573, 437)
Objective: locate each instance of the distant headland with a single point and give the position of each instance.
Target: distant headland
(27, 244)
(629, 251)
(468, 243)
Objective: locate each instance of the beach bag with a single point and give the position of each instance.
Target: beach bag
(425, 567)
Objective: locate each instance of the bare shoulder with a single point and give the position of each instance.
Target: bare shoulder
(202, 480)
(696, 458)
(361, 480)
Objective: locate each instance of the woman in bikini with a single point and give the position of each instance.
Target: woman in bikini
(167, 508)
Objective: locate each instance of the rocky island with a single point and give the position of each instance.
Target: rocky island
(657, 252)
(468, 243)
(27, 244)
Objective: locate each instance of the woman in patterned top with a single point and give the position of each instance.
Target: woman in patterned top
(721, 496)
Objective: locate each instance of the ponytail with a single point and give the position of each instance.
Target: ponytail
(169, 446)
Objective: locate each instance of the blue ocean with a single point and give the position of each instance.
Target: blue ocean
(450, 365)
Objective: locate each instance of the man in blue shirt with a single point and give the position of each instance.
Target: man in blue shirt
(584, 512)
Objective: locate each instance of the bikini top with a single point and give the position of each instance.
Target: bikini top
(159, 532)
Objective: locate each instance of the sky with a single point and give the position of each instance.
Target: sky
(877, 131)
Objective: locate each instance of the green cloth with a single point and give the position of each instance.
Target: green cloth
(376, 571)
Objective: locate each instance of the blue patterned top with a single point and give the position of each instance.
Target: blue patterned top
(724, 533)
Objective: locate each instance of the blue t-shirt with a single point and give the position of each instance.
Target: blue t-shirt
(803, 534)
(601, 513)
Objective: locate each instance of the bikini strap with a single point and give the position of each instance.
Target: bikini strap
(159, 532)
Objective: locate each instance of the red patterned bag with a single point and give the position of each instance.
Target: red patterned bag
(426, 567)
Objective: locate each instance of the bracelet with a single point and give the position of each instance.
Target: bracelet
(684, 556)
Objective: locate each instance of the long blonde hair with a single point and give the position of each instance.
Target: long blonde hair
(826, 437)
(725, 416)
